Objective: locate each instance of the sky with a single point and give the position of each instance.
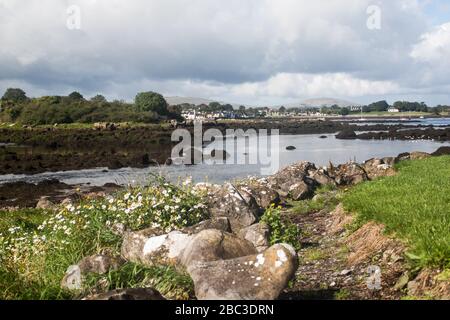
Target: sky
(253, 52)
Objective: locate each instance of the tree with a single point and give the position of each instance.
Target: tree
(15, 95)
(379, 106)
(345, 111)
(151, 101)
(282, 109)
(227, 107)
(76, 96)
(99, 99)
(241, 108)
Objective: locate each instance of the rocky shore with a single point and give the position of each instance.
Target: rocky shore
(35, 150)
(229, 256)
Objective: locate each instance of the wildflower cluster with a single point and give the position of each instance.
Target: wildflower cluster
(91, 223)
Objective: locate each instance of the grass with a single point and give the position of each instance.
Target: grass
(314, 255)
(327, 198)
(414, 205)
(342, 294)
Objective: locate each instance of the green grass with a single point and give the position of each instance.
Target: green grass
(314, 254)
(327, 198)
(413, 205)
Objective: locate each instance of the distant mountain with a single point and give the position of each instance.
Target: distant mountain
(190, 100)
(309, 103)
(324, 102)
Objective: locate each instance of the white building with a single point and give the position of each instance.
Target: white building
(393, 110)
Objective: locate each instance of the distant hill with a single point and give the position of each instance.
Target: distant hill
(190, 100)
(309, 103)
(321, 102)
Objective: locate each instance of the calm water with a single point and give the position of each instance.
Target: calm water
(308, 147)
(436, 122)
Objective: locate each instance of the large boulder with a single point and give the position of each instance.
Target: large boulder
(212, 245)
(260, 276)
(128, 294)
(258, 234)
(227, 201)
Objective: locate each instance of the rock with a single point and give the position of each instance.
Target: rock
(301, 190)
(129, 294)
(323, 137)
(66, 202)
(45, 204)
(256, 277)
(346, 134)
(212, 245)
(417, 155)
(260, 191)
(442, 151)
(149, 248)
(219, 223)
(345, 272)
(241, 209)
(72, 279)
(119, 229)
(322, 178)
(293, 181)
(99, 264)
(290, 148)
(349, 174)
(378, 168)
(258, 234)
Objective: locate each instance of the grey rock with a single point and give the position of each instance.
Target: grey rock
(241, 209)
(149, 248)
(258, 234)
(261, 276)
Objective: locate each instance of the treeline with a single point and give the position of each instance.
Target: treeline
(148, 107)
(383, 106)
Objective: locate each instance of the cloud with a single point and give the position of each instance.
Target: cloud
(278, 49)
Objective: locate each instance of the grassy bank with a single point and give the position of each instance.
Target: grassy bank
(413, 205)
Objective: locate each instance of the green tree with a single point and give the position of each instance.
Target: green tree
(345, 111)
(151, 101)
(214, 106)
(15, 95)
(99, 98)
(380, 106)
(76, 96)
(282, 109)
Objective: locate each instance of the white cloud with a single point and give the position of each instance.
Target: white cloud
(237, 49)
